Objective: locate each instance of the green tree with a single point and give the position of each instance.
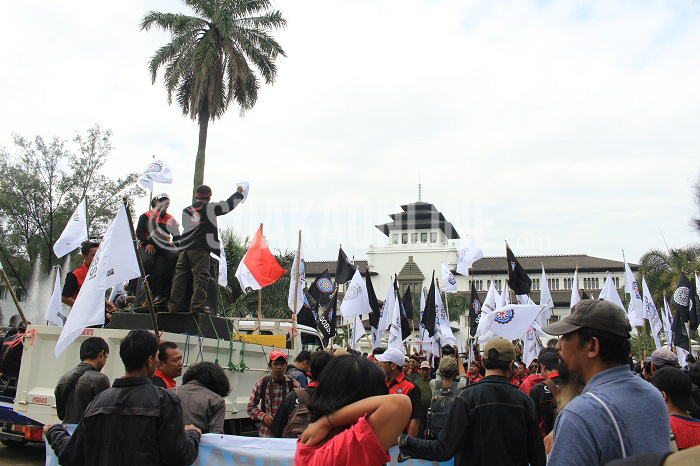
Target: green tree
(211, 58)
(40, 187)
(663, 268)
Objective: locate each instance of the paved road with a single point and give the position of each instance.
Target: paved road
(29, 455)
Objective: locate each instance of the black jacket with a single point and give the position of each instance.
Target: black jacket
(200, 229)
(544, 405)
(133, 422)
(76, 389)
(490, 423)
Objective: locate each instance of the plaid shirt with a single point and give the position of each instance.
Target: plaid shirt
(274, 396)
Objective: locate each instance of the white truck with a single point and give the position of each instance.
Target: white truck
(245, 362)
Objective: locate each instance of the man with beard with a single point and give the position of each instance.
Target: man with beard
(605, 422)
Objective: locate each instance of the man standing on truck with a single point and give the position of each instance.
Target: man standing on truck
(271, 390)
(75, 279)
(200, 238)
(77, 388)
(133, 422)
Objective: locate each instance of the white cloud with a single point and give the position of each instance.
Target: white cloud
(568, 126)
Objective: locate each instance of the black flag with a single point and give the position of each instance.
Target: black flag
(344, 270)
(306, 316)
(373, 303)
(474, 311)
(517, 278)
(680, 332)
(326, 319)
(694, 306)
(405, 324)
(683, 301)
(322, 288)
(429, 315)
(408, 302)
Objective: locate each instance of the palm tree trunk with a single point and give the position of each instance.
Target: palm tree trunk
(201, 149)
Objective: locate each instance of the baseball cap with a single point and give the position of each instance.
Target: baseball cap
(425, 365)
(447, 364)
(503, 350)
(550, 359)
(392, 355)
(276, 354)
(677, 385)
(664, 357)
(597, 314)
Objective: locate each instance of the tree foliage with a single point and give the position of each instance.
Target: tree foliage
(40, 186)
(662, 269)
(212, 58)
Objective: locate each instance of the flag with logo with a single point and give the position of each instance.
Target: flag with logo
(442, 324)
(680, 332)
(448, 280)
(54, 313)
(326, 319)
(653, 313)
(344, 268)
(75, 232)
(609, 292)
(512, 321)
(373, 302)
(157, 172)
(467, 256)
(575, 298)
(258, 268)
(531, 348)
(683, 301)
(474, 311)
(636, 306)
(322, 288)
(517, 278)
(394, 321)
(297, 281)
(355, 300)
(114, 262)
(307, 316)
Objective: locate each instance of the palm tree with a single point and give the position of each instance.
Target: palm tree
(210, 59)
(662, 269)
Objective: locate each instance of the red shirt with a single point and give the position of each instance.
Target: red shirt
(353, 446)
(169, 381)
(400, 385)
(529, 382)
(80, 273)
(686, 430)
(474, 379)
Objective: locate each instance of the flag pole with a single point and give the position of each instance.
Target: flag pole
(260, 293)
(296, 288)
(87, 223)
(14, 296)
(146, 287)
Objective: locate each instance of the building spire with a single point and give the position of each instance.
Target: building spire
(419, 189)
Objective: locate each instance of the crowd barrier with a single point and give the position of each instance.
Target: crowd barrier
(226, 450)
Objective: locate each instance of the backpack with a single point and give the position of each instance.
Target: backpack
(299, 418)
(439, 406)
(263, 389)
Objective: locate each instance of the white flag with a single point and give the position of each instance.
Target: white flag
(223, 265)
(545, 299)
(117, 290)
(297, 283)
(448, 280)
(54, 313)
(636, 306)
(114, 262)
(466, 258)
(654, 318)
(666, 320)
(358, 331)
(574, 291)
(531, 348)
(157, 172)
(356, 299)
(513, 321)
(386, 309)
(609, 292)
(376, 341)
(443, 332)
(490, 304)
(75, 232)
(246, 188)
(394, 320)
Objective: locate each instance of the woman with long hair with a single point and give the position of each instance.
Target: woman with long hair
(354, 420)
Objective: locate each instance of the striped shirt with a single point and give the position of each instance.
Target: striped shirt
(274, 395)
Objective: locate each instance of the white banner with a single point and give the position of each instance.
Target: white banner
(75, 232)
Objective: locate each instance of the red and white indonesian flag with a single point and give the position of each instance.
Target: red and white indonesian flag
(258, 268)
(115, 262)
(513, 321)
(356, 300)
(75, 232)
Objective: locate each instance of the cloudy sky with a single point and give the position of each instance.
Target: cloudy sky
(563, 127)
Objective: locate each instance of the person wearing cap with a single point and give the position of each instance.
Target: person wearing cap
(392, 361)
(676, 388)
(155, 231)
(269, 393)
(200, 238)
(490, 422)
(544, 393)
(663, 357)
(426, 393)
(447, 369)
(605, 422)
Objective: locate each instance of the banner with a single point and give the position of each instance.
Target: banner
(225, 450)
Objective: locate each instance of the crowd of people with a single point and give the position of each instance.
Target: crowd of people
(581, 402)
